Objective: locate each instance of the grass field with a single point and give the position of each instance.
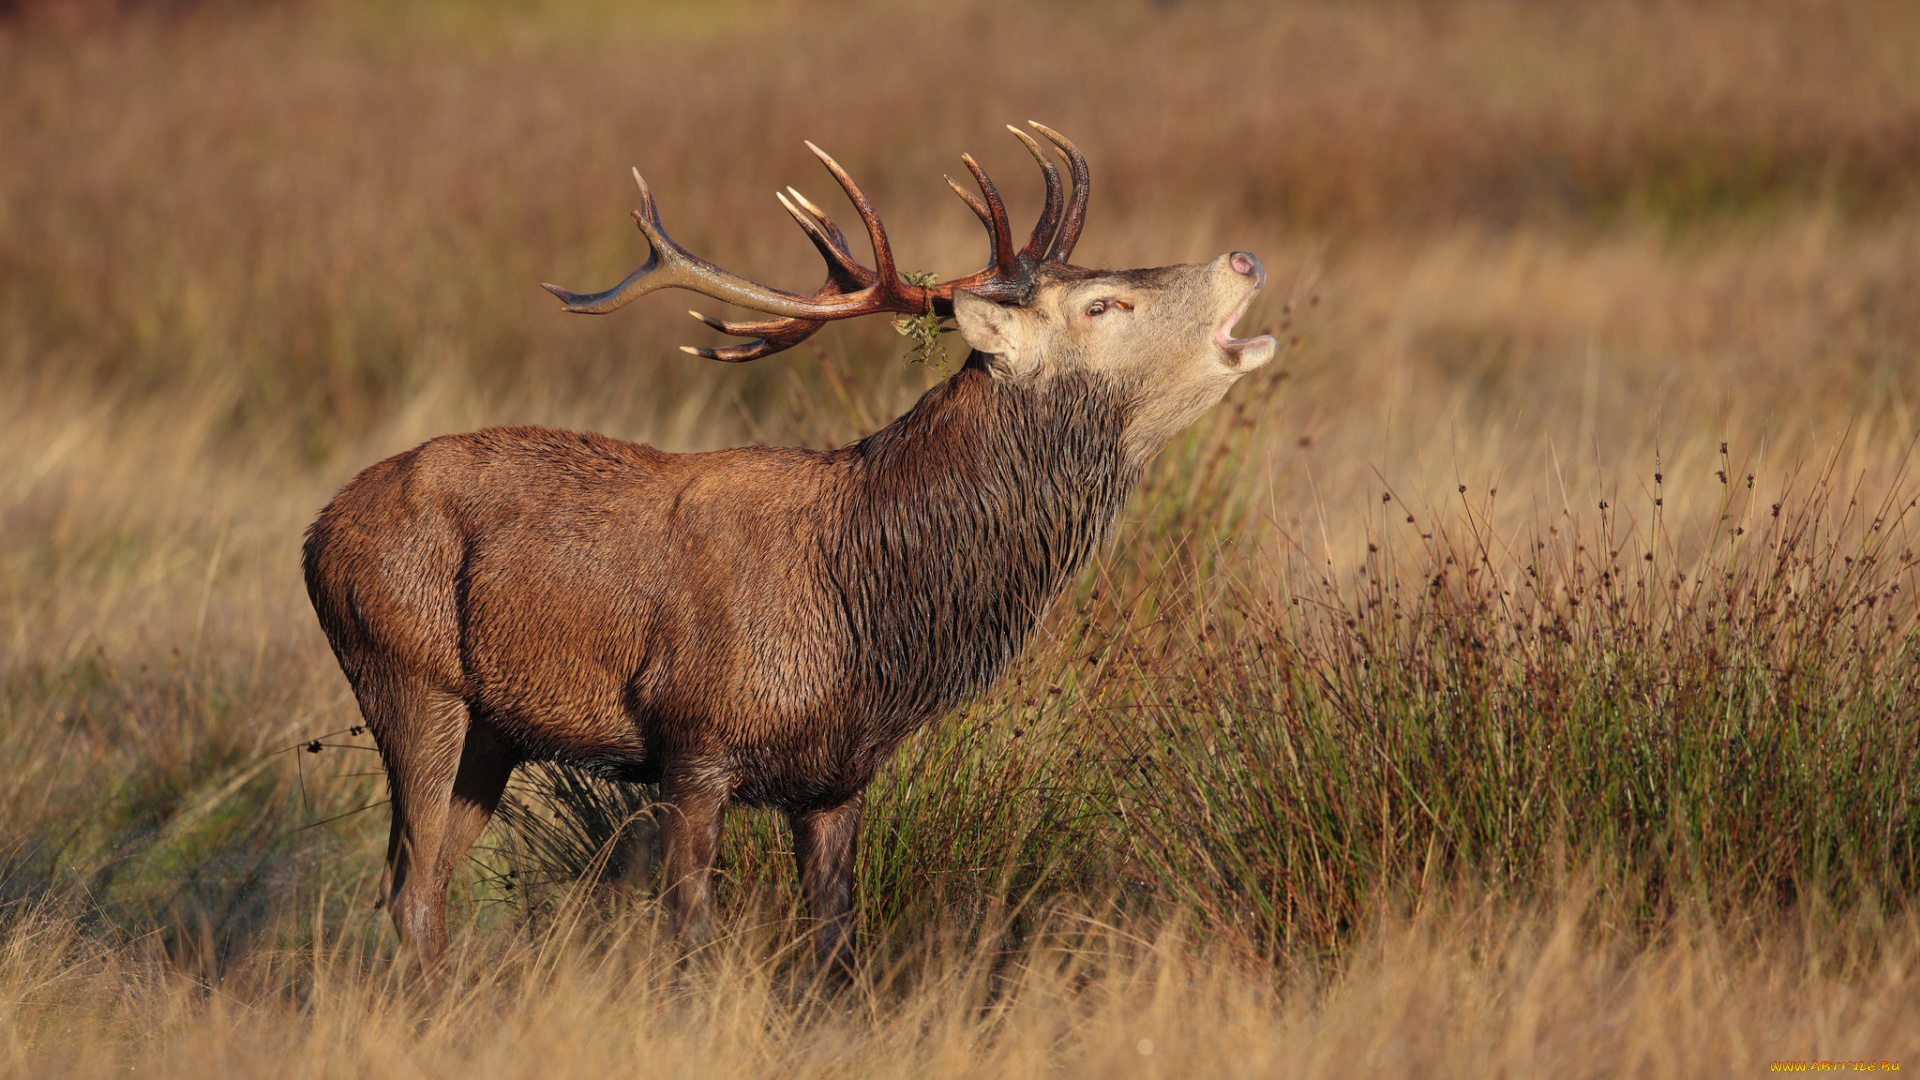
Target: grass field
(1521, 677)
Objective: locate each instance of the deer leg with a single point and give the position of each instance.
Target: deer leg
(421, 735)
(395, 831)
(485, 765)
(696, 806)
(824, 843)
(632, 862)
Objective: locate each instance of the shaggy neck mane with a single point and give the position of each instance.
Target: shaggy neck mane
(963, 520)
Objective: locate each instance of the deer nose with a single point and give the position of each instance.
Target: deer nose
(1243, 262)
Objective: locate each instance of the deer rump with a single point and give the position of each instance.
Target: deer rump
(782, 617)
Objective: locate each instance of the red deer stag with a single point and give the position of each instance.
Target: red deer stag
(760, 625)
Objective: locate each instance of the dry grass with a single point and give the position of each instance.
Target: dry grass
(1468, 992)
(1265, 794)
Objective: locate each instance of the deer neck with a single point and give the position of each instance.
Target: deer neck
(964, 520)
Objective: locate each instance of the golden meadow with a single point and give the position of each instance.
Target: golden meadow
(1517, 678)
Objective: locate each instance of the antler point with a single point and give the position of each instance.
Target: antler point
(807, 203)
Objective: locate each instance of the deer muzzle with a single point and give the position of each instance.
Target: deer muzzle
(1244, 354)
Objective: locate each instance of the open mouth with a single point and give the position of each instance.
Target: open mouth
(1232, 346)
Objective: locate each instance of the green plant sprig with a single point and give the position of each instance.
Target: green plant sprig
(924, 330)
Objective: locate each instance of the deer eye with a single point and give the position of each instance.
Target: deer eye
(1098, 307)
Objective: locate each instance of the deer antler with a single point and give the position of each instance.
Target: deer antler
(852, 289)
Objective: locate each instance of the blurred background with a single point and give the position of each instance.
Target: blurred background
(302, 222)
(1606, 252)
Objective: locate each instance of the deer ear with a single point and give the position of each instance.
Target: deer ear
(986, 325)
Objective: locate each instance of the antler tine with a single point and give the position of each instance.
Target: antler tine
(997, 221)
(646, 196)
(886, 278)
(775, 335)
(742, 329)
(1076, 211)
(819, 215)
(979, 208)
(737, 354)
(831, 242)
(1043, 230)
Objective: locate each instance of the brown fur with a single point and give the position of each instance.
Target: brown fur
(756, 625)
